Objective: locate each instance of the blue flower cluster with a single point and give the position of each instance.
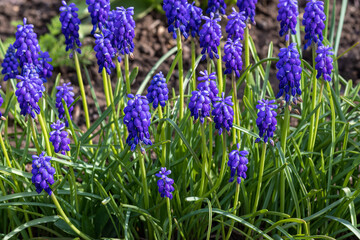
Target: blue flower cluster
(210, 35)
(137, 120)
(104, 51)
(288, 12)
(177, 15)
(10, 64)
(195, 18)
(44, 68)
(165, 183)
(70, 26)
(266, 120)
(200, 105)
(208, 83)
(236, 25)
(43, 173)
(248, 6)
(64, 92)
(223, 113)
(232, 56)
(237, 163)
(289, 73)
(99, 12)
(216, 7)
(324, 63)
(158, 91)
(313, 20)
(59, 138)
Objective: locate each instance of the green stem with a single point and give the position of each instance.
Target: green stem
(326, 11)
(219, 71)
(193, 57)
(70, 122)
(284, 133)
(127, 76)
(246, 47)
(5, 151)
(313, 103)
(45, 134)
(143, 178)
(261, 172)
(317, 116)
(36, 143)
(106, 88)
(66, 219)
(169, 216)
(162, 138)
(333, 140)
(181, 75)
(203, 158)
(234, 212)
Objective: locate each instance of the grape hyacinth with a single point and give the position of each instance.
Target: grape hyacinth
(223, 113)
(266, 120)
(210, 35)
(248, 6)
(43, 173)
(313, 20)
(44, 67)
(177, 15)
(104, 51)
(236, 25)
(99, 12)
(158, 91)
(165, 183)
(26, 44)
(70, 27)
(232, 57)
(216, 7)
(324, 63)
(59, 138)
(208, 83)
(289, 73)
(64, 92)
(10, 64)
(195, 17)
(29, 91)
(137, 120)
(237, 163)
(288, 12)
(200, 105)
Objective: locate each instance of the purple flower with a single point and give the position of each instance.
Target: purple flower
(313, 20)
(208, 83)
(64, 92)
(99, 12)
(210, 35)
(158, 91)
(248, 6)
(44, 67)
(236, 25)
(43, 173)
(324, 63)
(177, 15)
(70, 26)
(137, 120)
(237, 163)
(200, 105)
(10, 64)
(289, 73)
(59, 138)
(223, 113)
(266, 120)
(104, 51)
(216, 7)
(165, 183)
(195, 18)
(232, 56)
(288, 12)
(26, 44)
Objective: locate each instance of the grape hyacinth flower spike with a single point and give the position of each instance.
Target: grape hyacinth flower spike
(43, 173)
(237, 163)
(177, 15)
(266, 120)
(99, 12)
(195, 17)
(210, 35)
(64, 92)
(216, 6)
(104, 51)
(70, 26)
(314, 22)
(44, 67)
(137, 120)
(232, 56)
(236, 25)
(248, 6)
(10, 64)
(200, 105)
(324, 63)
(165, 183)
(288, 12)
(158, 91)
(223, 113)
(59, 137)
(208, 83)
(289, 73)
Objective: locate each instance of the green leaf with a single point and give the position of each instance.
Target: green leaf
(346, 224)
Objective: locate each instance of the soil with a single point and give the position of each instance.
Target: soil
(153, 41)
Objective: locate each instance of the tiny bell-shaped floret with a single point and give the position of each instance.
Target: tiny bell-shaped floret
(314, 22)
(324, 63)
(43, 173)
(208, 83)
(99, 12)
(165, 183)
(158, 91)
(195, 17)
(64, 92)
(248, 6)
(59, 138)
(288, 12)
(216, 7)
(223, 113)
(10, 64)
(236, 25)
(210, 35)
(232, 57)
(177, 15)
(237, 163)
(200, 105)
(266, 120)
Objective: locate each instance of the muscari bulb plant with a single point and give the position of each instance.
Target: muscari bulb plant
(232, 57)
(165, 183)
(216, 7)
(200, 105)
(59, 137)
(324, 62)
(10, 64)
(177, 15)
(208, 83)
(223, 113)
(64, 92)
(158, 91)
(104, 51)
(99, 12)
(210, 35)
(313, 20)
(195, 18)
(248, 7)
(236, 25)
(288, 13)
(42, 173)
(237, 163)
(266, 120)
